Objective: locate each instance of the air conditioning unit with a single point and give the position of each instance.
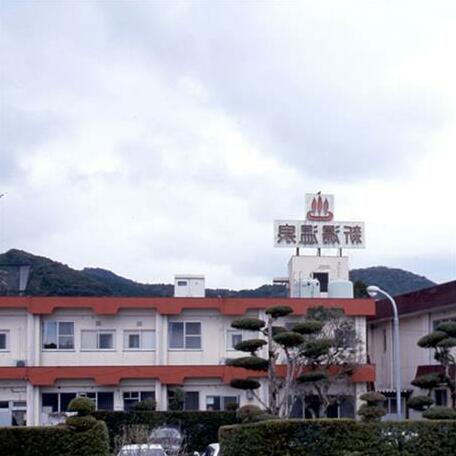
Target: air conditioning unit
(21, 363)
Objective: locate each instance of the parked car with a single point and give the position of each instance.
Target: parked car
(168, 437)
(142, 449)
(211, 450)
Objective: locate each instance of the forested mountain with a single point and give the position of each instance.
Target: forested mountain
(51, 278)
(394, 281)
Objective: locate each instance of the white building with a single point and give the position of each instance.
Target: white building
(120, 350)
(420, 312)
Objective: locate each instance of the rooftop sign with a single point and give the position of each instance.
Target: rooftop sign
(319, 230)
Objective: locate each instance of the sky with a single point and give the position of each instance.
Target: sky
(154, 138)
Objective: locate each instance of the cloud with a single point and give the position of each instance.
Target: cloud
(153, 138)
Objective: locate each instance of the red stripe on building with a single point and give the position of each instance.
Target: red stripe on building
(175, 306)
(169, 375)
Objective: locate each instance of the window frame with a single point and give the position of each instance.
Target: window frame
(229, 334)
(58, 336)
(222, 401)
(93, 396)
(5, 332)
(185, 335)
(128, 332)
(98, 332)
(140, 396)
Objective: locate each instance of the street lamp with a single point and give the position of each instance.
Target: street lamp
(374, 292)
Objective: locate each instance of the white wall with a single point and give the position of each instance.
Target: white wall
(301, 267)
(85, 319)
(15, 323)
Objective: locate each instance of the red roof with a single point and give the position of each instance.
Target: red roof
(418, 301)
(174, 306)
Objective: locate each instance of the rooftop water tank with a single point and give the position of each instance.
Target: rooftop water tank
(310, 288)
(340, 289)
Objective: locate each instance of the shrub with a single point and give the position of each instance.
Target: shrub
(55, 440)
(420, 403)
(81, 423)
(245, 384)
(149, 405)
(249, 324)
(448, 327)
(198, 428)
(279, 311)
(448, 342)
(373, 397)
(312, 377)
(248, 413)
(372, 410)
(430, 340)
(440, 413)
(289, 339)
(339, 437)
(232, 406)
(250, 345)
(308, 327)
(82, 405)
(428, 381)
(316, 348)
(250, 362)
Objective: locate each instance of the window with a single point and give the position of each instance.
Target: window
(58, 335)
(57, 402)
(441, 397)
(139, 340)
(185, 335)
(220, 402)
(385, 341)
(3, 340)
(191, 400)
(102, 400)
(181, 283)
(436, 323)
(97, 340)
(133, 397)
(322, 277)
(233, 337)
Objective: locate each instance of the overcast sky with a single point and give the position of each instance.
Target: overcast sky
(154, 138)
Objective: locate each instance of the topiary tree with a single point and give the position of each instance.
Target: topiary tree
(83, 406)
(442, 341)
(420, 403)
(440, 413)
(316, 352)
(373, 408)
(278, 340)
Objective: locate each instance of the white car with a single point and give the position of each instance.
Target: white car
(142, 449)
(211, 450)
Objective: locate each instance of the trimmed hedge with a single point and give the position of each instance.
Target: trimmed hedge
(199, 428)
(339, 437)
(55, 441)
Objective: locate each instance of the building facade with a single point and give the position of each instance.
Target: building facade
(420, 312)
(118, 351)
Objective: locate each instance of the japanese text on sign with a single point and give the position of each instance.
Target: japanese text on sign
(308, 234)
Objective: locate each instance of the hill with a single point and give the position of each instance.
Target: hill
(394, 281)
(51, 278)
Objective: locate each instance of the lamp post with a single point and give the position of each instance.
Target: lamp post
(374, 292)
